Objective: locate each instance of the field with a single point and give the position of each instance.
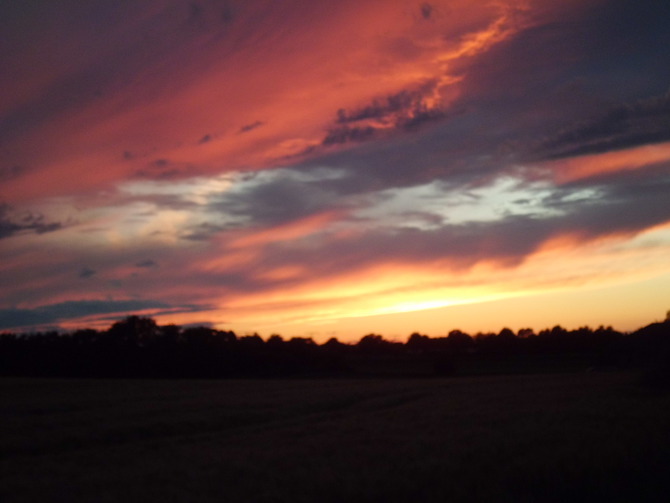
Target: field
(531, 438)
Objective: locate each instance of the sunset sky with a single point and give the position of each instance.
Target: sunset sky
(322, 168)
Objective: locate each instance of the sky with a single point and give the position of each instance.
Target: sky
(329, 169)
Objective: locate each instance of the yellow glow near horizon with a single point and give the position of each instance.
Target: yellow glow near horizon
(606, 268)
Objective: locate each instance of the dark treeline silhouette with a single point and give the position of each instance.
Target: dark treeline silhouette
(138, 347)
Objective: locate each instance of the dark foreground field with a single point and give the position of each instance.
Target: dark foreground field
(559, 437)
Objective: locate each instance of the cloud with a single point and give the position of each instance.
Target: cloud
(165, 169)
(401, 103)
(12, 224)
(630, 201)
(148, 263)
(202, 231)
(406, 109)
(250, 127)
(10, 172)
(54, 313)
(87, 272)
(195, 11)
(644, 122)
(518, 222)
(435, 133)
(274, 197)
(567, 67)
(200, 13)
(345, 134)
(427, 10)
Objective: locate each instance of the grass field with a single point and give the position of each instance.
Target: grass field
(530, 438)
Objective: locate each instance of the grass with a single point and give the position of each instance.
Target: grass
(553, 437)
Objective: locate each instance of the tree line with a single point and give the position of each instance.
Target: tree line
(137, 346)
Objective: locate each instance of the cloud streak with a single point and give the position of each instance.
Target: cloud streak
(27, 222)
(49, 315)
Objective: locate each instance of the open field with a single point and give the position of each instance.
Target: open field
(554, 437)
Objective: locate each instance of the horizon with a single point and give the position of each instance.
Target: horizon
(522, 332)
(332, 169)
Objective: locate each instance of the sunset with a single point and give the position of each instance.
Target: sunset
(335, 168)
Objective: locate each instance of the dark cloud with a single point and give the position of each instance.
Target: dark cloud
(403, 103)
(346, 134)
(454, 149)
(632, 36)
(569, 75)
(629, 202)
(420, 115)
(200, 12)
(623, 126)
(250, 127)
(275, 198)
(557, 74)
(620, 203)
(10, 172)
(87, 272)
(148, 263)
(227, 13)
(426, 10)
(171, 201)
(165, 169)
(376, 110)
(405, 110)
(53, 313)
(195, 11)
(11, 224)
(203, 231)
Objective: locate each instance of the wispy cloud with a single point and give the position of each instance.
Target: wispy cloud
(50, 314)
(250, 127)
(13, 223)
(622, 126)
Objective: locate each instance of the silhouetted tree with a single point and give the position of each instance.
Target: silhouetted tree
(418, 343)
(275, 341)
(525, 333)
(171, 334)
(654, 343)
(135, 331)
(459, 342)
(136, 346)
(374, 344)
(333, 344)
(302, 343)
(251, 341)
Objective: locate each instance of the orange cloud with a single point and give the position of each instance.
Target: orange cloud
(293, 230)
(213, 86)
(576, 168)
